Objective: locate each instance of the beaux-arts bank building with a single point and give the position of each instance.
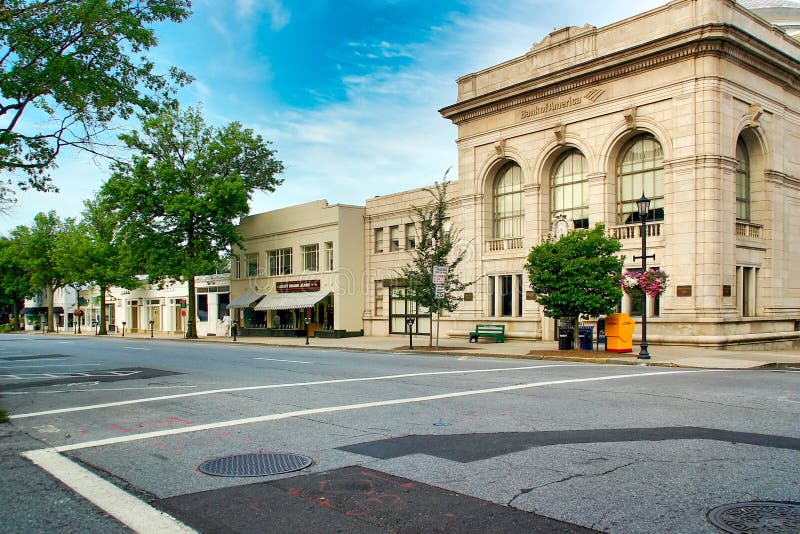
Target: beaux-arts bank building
(695, 103)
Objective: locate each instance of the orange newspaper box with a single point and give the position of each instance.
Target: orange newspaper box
(619, 332)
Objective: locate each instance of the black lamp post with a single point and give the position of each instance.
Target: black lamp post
(123, 328)
(410, 325)
(235, 329)
(151, 329)
(643, 204)
(307, 321)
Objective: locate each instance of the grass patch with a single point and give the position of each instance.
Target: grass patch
(3, 416)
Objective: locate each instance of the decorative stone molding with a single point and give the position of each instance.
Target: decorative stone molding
(560, 132)
(630, 117)
(500, 148)
(755, 113)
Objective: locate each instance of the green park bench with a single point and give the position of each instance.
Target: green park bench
(497, 331)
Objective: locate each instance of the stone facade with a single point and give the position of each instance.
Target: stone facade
(698, 104)
(305, 250)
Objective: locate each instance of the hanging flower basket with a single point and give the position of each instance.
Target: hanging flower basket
(78, 313)
(652, 282)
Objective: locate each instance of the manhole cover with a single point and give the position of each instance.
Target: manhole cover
(756, 517)
(255, 465)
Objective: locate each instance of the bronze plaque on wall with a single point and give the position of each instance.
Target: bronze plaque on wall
(726, 291)
(684, 291)
(530, 295)
(468, 297)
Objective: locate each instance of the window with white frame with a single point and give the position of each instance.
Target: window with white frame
(569, 188)
(411, 236)
(252, 265)
(310, 258)
(329, 255)
(640, 170)
(742, 182)
(379, 240)
(508, 210)
(394, 238)
(280, 261)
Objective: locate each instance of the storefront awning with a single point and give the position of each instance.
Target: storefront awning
(33, 310)
(291, 301)
(244, 301)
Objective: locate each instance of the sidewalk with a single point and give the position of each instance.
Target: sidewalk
(667, 355)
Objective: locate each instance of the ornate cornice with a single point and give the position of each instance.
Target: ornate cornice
(721, 40)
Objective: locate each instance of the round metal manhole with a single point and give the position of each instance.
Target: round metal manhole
(255, 465)
(757, 517)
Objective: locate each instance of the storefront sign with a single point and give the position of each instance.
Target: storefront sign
(298, 285)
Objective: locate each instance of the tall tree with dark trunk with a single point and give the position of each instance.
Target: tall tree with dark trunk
(38, 245)
(70, 67)
(15, 284)
(180, 196)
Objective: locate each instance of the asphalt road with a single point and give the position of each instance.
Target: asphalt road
(399, 442)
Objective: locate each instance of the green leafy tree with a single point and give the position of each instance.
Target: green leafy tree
(179, 197)
(15, 283)
(576, 276)
(436, 245)
(38, 245)
(79, 64)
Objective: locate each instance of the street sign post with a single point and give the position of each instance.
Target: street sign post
(439, 274)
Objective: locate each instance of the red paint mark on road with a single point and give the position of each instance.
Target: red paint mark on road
(117, 427)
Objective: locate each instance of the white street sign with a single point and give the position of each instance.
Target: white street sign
(439, 274)
(440, 291)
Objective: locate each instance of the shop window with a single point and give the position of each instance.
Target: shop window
(569, 188)
(310, 258)
(378, 297)
(640, 170)
(394, 238)
(237, 266)
(401, 308)
(507, 199)
(202, 308)
(280, 261)
(379, 240)
(742, 182)
(223, 299)
(329, 255)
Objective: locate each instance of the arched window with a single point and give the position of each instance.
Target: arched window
(742, 182)
(640, 170)
(509, 213)
(569, 189)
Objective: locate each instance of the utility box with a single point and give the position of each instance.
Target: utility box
(619, 332)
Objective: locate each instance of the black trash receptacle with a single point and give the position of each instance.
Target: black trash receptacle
(586, 337)
(566, 338)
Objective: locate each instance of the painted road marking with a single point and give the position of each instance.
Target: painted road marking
(89, 374)
(51, 365)
(276, 360)
(135, 348)
(136, 514)
(89, 390)
(360, 406)
(277, 386)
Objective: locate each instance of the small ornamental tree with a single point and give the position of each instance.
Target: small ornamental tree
(576, 276)
(436, 245)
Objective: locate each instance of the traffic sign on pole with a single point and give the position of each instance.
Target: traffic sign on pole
(439, 274)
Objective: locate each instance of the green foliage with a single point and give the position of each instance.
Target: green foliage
(436, 245)
(578, 275)
(181, 193)
(3, 416)
(40, 256)
(15, 284)
(77, 64)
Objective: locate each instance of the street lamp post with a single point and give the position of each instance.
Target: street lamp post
(307, 321)
(235, 329)
(643, 205)
(151, 329)
(123, 328)
(410, 325)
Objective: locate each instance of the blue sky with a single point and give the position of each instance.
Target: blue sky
(348, 91)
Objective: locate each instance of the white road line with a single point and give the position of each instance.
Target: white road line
(276, 360)
(136, 514)
(135, 348)
(347, 407)
(52, 365)
(90, 390)
(277, 386)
